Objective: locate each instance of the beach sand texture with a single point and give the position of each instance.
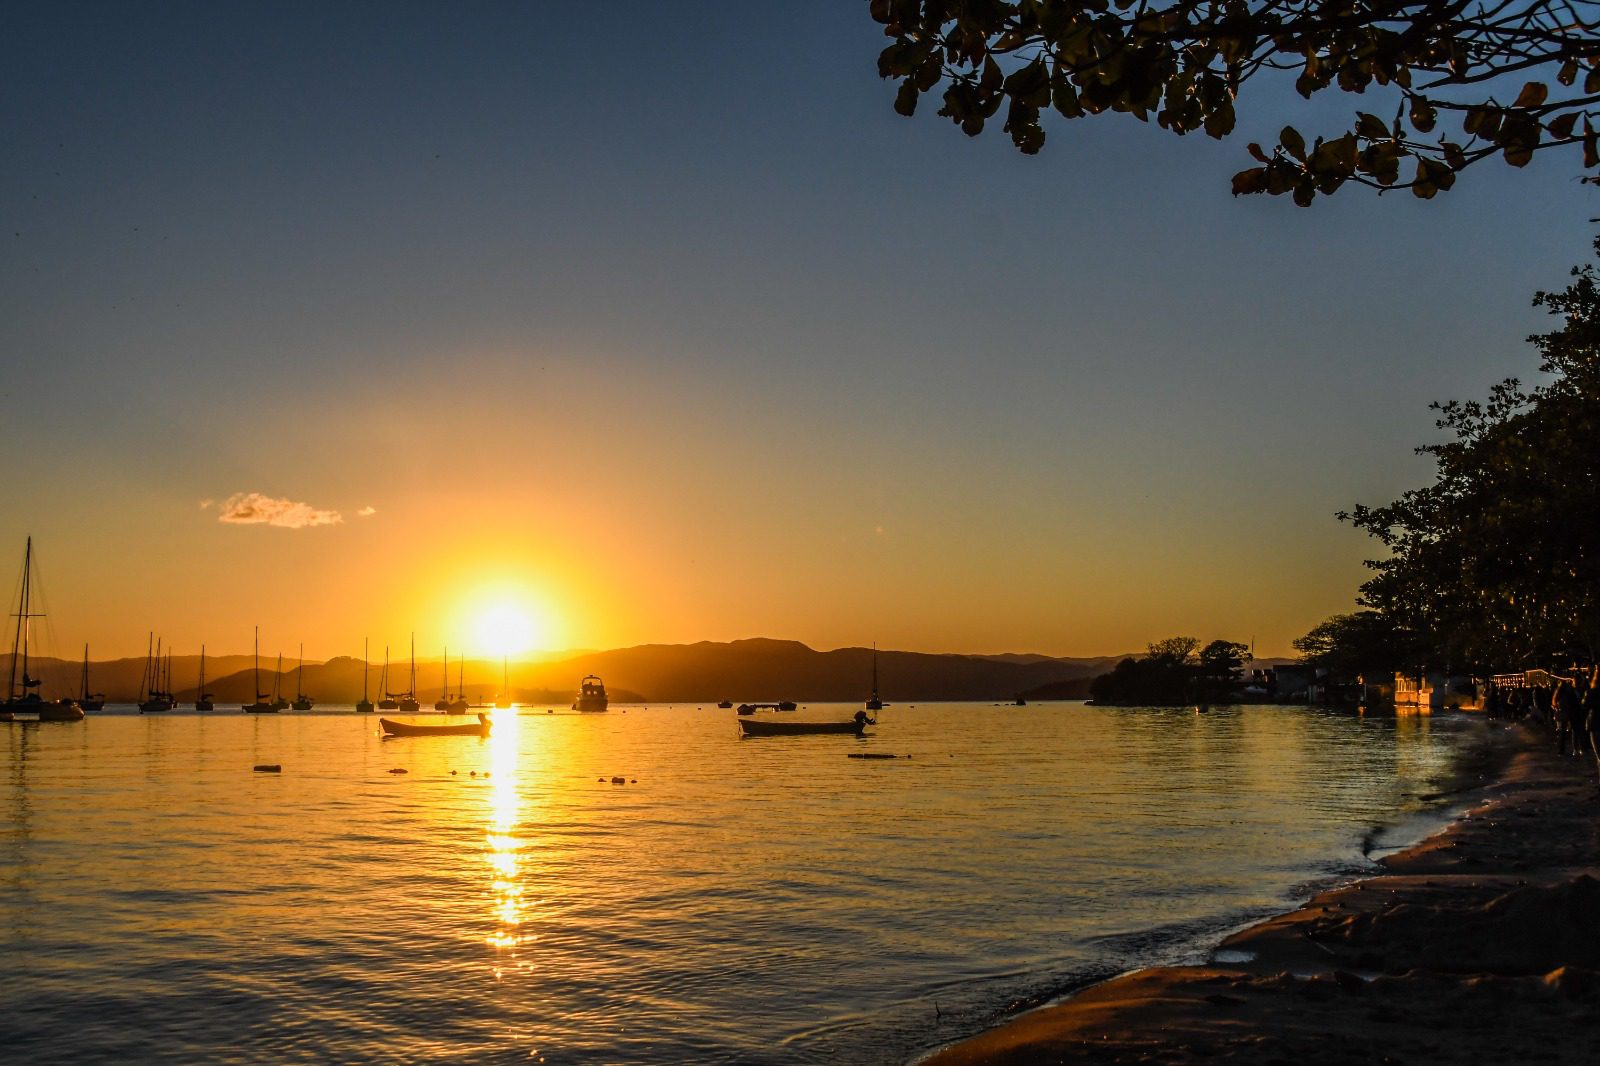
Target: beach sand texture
(1480, 945)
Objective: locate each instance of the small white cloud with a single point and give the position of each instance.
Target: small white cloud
(207, 504)
(366, 512)
(254, 508)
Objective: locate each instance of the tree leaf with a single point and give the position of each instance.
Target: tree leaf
(1292, 142)
(1532, 95)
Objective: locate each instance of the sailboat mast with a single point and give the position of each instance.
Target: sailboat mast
(413, 688)
(300, 674)
(446, 696)
(202, 671)
(19, 643)
(86, 672)
(257, 669)
(23, 625)
(365, 669)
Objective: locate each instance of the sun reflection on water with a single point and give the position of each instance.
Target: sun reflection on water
(505, 886)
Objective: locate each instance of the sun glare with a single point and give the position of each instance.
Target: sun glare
(505, 629)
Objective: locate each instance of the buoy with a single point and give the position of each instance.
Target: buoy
(269, 768)
(399, 770)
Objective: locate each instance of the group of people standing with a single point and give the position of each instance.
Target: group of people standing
(1568, 706)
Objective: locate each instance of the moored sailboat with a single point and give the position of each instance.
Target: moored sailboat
(365, 706)
(443, 702)
(459, 705)
(26, 701)
(873, 702)
(302, 702)
(89, 701)
(202, 698)
(408, 699)
(388, 703)
(260, 705)
(154, 696)
(279, 703)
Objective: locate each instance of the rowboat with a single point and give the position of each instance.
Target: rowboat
(756, 727)
(408, 729)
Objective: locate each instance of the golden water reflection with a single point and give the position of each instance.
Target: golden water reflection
(502, 855)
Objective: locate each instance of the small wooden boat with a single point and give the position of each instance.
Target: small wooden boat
(409, 729)
(755, 727)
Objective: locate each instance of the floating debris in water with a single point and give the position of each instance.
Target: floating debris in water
(619, 780)
(399, 770)
(268, 768)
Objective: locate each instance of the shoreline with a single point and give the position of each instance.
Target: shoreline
(1475, 944)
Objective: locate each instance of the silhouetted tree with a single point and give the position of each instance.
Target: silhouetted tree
(1498, 561)
(1442, 65)
(1362, 644)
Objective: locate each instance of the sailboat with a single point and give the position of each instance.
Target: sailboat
(388, 703)
(408, 699)
(202, 698)
(504, 700)
(365, 706)
(28, 702)
(302, 702)
(89, 701)
(278, 702)
(260, 706)
(873, 702)
(458, 705)
(443, 702)
(153, 695)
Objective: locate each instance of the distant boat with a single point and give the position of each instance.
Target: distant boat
(591, 695)
(407, 729)
(260, 706)
(746, 709)
(388, 703)
(503, 701)
(302, 702)
(278, 702)
(28, 702)
(408, 699)
(1019, 702)
(458, 705)
(786, 705)
(89, 701)
(873, 702)
(365, 706)
(753, 727)
(725, 704)
(202, 699)
(154, 696)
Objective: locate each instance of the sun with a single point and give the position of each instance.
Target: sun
(505, 629)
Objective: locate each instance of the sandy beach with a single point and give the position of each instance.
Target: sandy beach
(1481, 944)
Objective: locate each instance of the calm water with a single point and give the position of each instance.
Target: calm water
(744, 901)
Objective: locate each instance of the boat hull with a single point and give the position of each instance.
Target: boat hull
(480, 728)
(590, 704)
(751, 727)
(364, 707)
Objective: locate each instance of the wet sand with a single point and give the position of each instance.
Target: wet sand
(1479, 945)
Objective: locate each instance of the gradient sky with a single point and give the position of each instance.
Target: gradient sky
(667, 328)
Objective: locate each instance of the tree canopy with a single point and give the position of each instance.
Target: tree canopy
(1497, 563)
(1361, 644)
(1452, 82)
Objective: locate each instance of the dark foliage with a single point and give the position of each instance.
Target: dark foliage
(1453, 74)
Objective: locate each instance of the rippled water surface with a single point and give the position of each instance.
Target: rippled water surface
(736, 901)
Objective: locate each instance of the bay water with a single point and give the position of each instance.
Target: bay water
(764, 900)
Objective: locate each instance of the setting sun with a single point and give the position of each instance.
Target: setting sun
(506, 629)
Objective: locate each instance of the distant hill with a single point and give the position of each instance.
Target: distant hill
(755, 670)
